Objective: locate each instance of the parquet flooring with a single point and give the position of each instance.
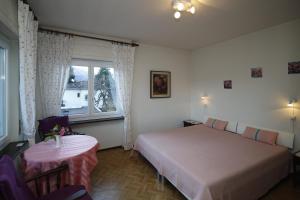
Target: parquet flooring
(120, 176)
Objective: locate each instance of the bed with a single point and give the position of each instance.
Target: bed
(208, 164)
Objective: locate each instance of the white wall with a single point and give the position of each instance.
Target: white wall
(9, 16)
(109, 134)
(261, 102)
(159, 114)
(148, 114)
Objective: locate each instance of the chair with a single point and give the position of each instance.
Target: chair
(47, 124)
(12, 187)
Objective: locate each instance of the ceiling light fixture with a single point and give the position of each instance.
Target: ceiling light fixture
(192, 10)
(177, 15)
(183, 6)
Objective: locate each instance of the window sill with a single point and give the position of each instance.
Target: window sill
(96, 120)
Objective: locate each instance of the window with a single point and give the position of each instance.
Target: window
(77, 87)
(3, 63)
(90, 92)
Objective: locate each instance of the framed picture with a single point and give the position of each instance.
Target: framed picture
(160, 84)
(294, 67)
(228, 84)
(256, 72)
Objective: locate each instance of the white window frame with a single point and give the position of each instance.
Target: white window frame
(4, 43)
(91, 114)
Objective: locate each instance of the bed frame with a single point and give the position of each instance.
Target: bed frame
(285, 139)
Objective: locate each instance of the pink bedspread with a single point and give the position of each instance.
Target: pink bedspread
(78, 151)
(208, 164)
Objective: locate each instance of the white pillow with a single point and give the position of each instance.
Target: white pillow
(241, 127)
(286, 139)
(232, 126)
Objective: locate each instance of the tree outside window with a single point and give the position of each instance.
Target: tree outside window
(104, 90)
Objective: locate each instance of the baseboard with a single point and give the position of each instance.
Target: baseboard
(109, 148)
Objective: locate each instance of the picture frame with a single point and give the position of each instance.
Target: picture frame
(160, 84)
(256, 72)
(228, 84)
(294, 67)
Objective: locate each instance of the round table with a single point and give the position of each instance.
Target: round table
(78, 151)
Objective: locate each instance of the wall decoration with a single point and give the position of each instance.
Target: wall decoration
(256, 72)
(228, 84)
(294, 67)
(160, 84)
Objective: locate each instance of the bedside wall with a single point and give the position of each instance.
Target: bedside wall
(261, 101)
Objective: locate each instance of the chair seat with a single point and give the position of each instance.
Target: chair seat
(66, 192)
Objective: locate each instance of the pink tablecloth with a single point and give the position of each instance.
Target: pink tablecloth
(78, 151)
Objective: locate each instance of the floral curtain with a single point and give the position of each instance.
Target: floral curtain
(123, 61)
(54, 61)
(28, 28)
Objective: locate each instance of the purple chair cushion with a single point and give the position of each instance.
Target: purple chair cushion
(66, 192)
(45, 125)
(12, 187)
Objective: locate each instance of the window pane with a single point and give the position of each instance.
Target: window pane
(104, 90)
(2, 92)
(75, 99)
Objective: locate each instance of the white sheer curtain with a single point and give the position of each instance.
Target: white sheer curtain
(123, 61)
(28, 54)
(54, 61)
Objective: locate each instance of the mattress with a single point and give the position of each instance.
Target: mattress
(209, 164)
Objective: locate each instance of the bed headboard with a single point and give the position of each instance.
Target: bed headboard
(284, 138)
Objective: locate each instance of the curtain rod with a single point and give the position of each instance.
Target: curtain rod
(90, 37)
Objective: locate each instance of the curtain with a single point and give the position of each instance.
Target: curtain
(28, 54)
(54, 61)
(123, 61)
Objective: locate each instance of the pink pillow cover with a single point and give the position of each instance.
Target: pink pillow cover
(269, 137)
(250, 133)
(264, 136)
(220, 125)
(215, 123)
(210, 122)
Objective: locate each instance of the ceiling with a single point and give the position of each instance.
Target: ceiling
(152, 22)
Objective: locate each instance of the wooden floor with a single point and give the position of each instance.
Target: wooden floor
(121, 176)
